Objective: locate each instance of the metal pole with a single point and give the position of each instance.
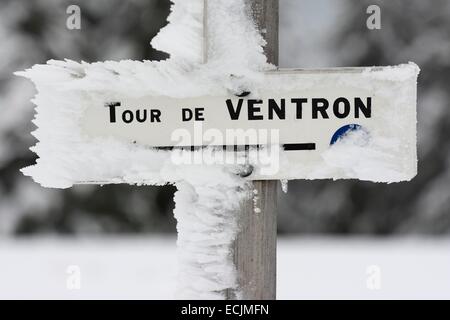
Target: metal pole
(256, 244)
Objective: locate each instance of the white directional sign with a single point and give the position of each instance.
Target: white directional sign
(306, 113)
(350, 123)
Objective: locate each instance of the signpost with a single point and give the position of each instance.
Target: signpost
(357, 123)
(255, 248)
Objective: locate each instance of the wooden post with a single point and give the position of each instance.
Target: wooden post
(266, 16)
(256, 244)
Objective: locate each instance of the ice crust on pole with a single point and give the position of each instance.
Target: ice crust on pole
(207, 226)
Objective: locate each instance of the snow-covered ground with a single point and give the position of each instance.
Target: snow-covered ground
(308, 268)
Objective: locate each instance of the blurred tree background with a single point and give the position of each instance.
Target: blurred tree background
(34, 32)
(314, 33)
(410, 31)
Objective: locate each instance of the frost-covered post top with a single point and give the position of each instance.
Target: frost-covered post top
(103, 122)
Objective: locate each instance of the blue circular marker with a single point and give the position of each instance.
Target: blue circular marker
(343, 131)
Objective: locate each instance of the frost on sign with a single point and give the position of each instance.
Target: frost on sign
(340, 123)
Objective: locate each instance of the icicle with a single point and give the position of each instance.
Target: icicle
(284, 185)
(255, 201)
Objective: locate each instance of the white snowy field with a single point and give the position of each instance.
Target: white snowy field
(308, 268)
